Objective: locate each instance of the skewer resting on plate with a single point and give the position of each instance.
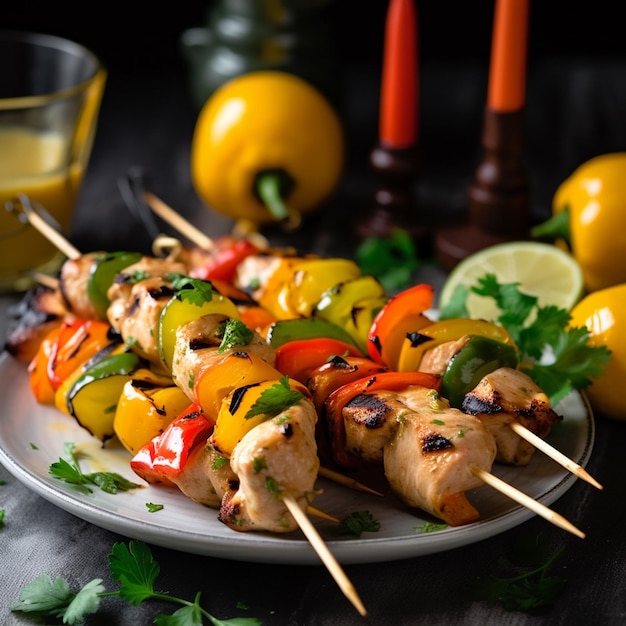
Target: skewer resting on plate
(486, 477)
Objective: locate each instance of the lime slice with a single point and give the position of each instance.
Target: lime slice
(541, 269)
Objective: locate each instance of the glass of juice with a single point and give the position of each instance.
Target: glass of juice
(50, 94)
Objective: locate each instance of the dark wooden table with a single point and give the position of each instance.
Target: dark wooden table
(575, 111)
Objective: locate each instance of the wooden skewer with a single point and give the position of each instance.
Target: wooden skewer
(311, 510)
(553, 453)
(347, 481)
(524, 500)
(21, 206)
(177, 221)
(325, 554)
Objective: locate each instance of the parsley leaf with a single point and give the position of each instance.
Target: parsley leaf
(392, 260)
(523, 589)
(557, 357)
(275, 400)
(136, 570)
(234, 333)
(357, 523)
(193, 290)
(68, 470)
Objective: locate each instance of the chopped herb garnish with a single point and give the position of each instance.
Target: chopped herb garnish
(272, 486)
(33, 446)
(153, 508)
(527, 585)
(235, 333)
(558, 358)
(135, 569)
(219, 461)
(430, 527)
(275, 400)
(392, 260)
(1, 518)
(68, 470)
(357, 523)
(193, 290)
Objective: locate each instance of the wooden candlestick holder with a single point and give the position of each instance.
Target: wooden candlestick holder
(498, 198)
(395, 206)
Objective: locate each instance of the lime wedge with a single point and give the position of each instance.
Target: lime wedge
(540, 269)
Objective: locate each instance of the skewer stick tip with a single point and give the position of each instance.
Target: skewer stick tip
(325, 554)
(554, 454)
(525, 500)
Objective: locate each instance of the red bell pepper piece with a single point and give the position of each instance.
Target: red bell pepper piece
(403, 313)
(77, 341)
(298, 358)
(164, 457)
(223, 265)
(388, 381)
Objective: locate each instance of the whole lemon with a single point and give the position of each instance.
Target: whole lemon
(266, 126)
(603, 312)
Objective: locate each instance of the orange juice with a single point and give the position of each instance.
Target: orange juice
(39, 165)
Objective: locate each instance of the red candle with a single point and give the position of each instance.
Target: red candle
(398, 102)
(507, 77)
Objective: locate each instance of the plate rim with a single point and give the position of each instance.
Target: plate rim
(273, 548)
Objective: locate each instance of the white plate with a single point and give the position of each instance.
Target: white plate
(32, 437)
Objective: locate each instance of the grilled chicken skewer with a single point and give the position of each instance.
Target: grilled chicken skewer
(514, 408)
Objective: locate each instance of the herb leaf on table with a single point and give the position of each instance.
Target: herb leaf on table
(136, 570)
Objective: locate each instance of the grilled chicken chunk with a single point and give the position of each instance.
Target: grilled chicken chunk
(39, 311)
(73, 280)
(196, 348)
(508, 395)
(134, 313)
(205, 481)
(426, 447)
(279, 456)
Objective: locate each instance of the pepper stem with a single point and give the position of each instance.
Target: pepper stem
(558, 226)
(272, 186)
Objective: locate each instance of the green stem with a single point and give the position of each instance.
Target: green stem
(558, 226)
(272, 186)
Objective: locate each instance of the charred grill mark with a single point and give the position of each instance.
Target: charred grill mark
(161, 292)
(134, 307)
(368, 410)
(417, 339)
(200, 344)
(286, 429)
(435, 442)
(338, 362)
(475, 406)
(238, 396)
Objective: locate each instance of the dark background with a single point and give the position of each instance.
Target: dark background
(575, 107)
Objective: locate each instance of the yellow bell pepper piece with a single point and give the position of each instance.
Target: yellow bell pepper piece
(437, 333)
(144, 412)
(232, 423)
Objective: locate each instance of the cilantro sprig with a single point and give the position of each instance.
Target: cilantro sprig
(193, 290)
(557, 357)
(392, 260)
(522, 582)
(357, 523)
(68, 469)
(275, 400)
(136, 570)
(234, 333)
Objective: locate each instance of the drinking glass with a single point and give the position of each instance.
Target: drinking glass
(50, 94)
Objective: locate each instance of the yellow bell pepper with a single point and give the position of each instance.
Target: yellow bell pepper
(267, 147)
(297, 285)
(144, 411)
(233, 421)
(417, 343)
(603, 312)
(588, 213)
